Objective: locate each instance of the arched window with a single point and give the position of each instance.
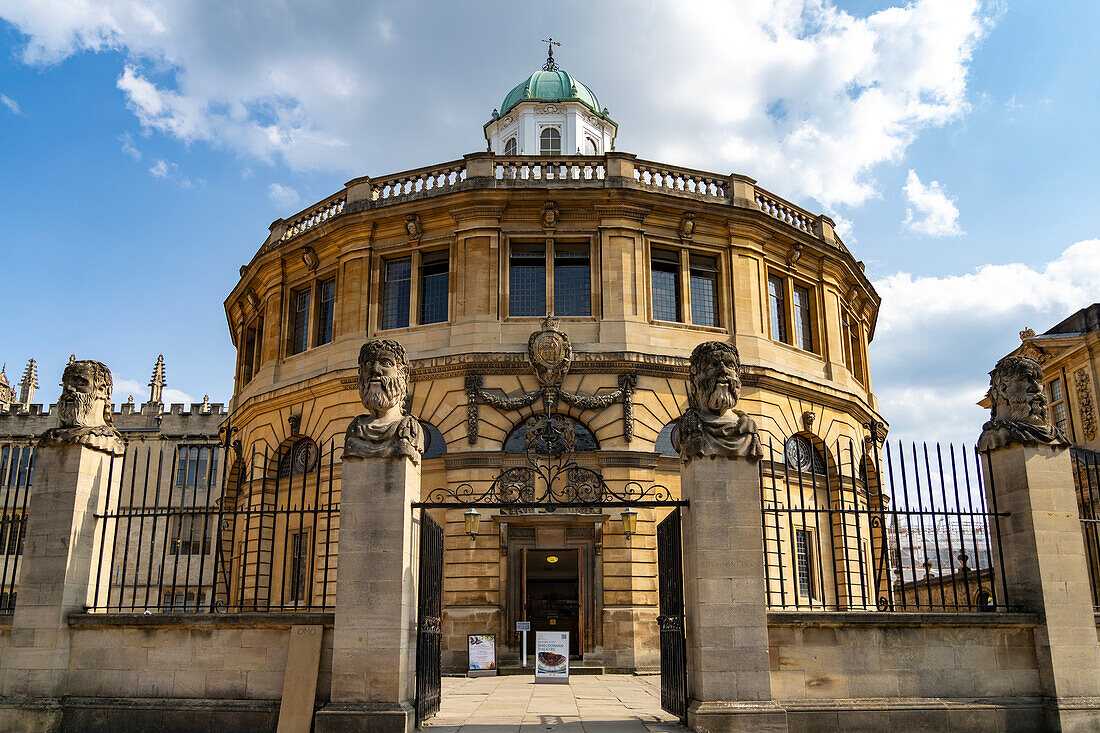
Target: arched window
(802, 455)
(590, 147)
(585, 438)
(550, 141)
(434, 444)
(664, 440)
(510, 146)
(298, 458)
(983, 600)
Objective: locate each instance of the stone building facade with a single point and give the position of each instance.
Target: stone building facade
(637, 262)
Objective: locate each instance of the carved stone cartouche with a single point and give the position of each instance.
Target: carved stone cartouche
(711, 427)
(1019, 407)
(386, 430)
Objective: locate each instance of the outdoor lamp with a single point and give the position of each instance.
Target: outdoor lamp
(472, 518)
(630, 521)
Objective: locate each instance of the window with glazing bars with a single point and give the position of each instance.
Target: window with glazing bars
(193, 466)
(803, 325)
(434, 287)
(13, 531)
(572, 280)
(326, 309)
(804, 568)
(299, 566)
(16, 466)
(299, 331)
(704, 291)
(190, 535)
(550, 141)
(510, 146)
(395, 297)
(527, 280)
(250, 360)
(777, 305)
(1058, 412)
(666, 286)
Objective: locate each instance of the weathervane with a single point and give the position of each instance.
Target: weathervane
(550, 65)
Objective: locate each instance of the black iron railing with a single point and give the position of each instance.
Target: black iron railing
(16, 475)
(850, 527)
(206, 528)
(1086, 476)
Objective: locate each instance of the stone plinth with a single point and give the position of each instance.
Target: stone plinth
(729, 672)
(1046, 573)
(60, 564)
(374, 637)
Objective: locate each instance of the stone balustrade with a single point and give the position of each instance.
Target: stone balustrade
(486, 170)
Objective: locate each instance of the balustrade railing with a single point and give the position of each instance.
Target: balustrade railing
(550, 168)
(315, 215)
(681, 180)
(785, 212)
(433, 179)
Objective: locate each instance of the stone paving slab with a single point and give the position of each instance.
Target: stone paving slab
(612, 703)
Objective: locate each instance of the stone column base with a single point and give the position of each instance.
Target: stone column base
(736, 717)
(365, 717)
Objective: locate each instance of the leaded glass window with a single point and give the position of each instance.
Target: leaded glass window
(778, 308)
(704, 291)
(326, 308)
(572, 280)
(803, 333)
(299, 332)
(193, 466)
(803, 547)
(527, 280)
(666, 286)
(510, 146)
(434, 287)
(395, 299)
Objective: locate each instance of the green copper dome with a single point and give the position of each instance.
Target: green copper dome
(551, 86)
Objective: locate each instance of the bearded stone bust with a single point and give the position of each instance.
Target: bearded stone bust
(1019, 409)
(84, 409)
(712, 426)
(386, 431)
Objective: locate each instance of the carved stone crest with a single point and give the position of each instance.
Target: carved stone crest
(712, 426)
(794, 254)
(550, 215)
(84, 409)
(1019, 412)
(309, 257)
(412, 226)
(550, 353)
(687, 226)
(387, 431)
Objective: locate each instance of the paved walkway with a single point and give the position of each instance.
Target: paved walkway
(611, 703)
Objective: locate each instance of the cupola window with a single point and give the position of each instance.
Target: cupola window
(510, 146)
(550, 141)
(590, 147)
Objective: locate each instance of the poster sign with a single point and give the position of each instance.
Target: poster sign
(523, 625)
(483, 654)
(552, 656)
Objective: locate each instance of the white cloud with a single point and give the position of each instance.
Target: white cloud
(128, 146)
(806, 97)
(936, 214)
(283, 196)
(162, 168)
(938, 337)
(10, 103)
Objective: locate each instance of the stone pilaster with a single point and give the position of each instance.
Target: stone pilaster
(1046, 573)
(729, 672)
(59, 568)
(374, 636)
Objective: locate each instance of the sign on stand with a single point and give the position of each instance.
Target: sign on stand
(552, 656)
(524, 626)
(483, 655)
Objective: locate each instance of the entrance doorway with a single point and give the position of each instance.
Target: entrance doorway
(552, 595)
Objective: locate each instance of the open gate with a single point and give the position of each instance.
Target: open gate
(429, 613)
(670, 576)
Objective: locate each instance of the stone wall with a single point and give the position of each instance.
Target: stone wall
(925, 671)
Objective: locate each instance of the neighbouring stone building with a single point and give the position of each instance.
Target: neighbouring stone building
(638, 262)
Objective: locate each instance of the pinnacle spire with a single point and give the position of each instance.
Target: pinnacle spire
(550, 64)
(156, 383)
(29, 384)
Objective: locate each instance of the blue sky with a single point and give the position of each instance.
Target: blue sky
(145, 148)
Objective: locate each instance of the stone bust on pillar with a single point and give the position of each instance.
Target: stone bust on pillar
(84, 409)
(712, 426)
(386, 431)
(1019, 407)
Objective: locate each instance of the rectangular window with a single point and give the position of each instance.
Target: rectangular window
(434, 287)
(193, 467)
(250, 359)
(666, 286)
(190, 535)
(704, 291)
(299, 567)
(326, 310)
(13, 531)
(182, 601)
(527, 280)
(1058, 412)
(777, 304)
(853, 352)
(16, 466)
(803, 547)
(395, 298)
(299, 329)
(803, 325)
(572, 280)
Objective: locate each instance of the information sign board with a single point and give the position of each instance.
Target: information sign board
(482, 650)
(552, 656)
(523, 625)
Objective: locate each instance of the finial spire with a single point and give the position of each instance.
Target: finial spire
(156, 383)
(29, 384)
(550, 65)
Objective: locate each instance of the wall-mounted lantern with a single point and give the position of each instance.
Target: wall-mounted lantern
(473, 518)
(630, 521)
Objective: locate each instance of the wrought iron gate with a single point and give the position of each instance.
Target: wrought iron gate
(429, 613)
(670, 577)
